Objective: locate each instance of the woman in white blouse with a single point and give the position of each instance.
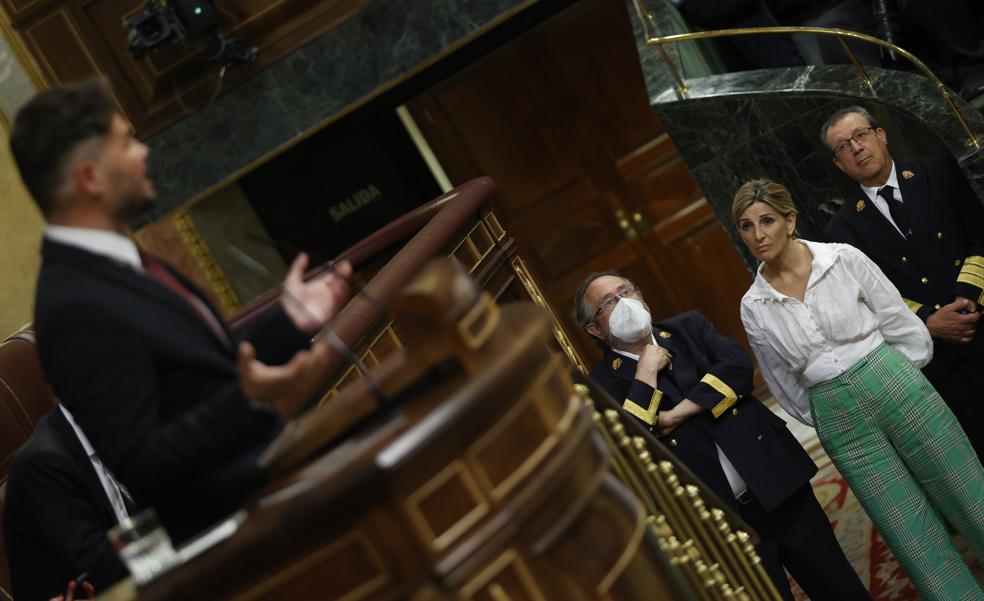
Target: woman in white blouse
(840, 350)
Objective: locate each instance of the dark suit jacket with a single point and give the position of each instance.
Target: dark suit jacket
(715, 372)
(942, 259)
(153, 388)
(57, 515)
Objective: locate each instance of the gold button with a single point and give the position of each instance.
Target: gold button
(734, 411)
(939, 235)
(673, 442)
(937, 307)
(905, 259)
(759, 438)
(956, 263)
(925, 280)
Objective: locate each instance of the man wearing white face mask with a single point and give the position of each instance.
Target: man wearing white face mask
(692, 387)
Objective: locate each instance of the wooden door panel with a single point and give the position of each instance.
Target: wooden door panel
(586, 64)
(707, 263)
(16, 8)
(661, 179)
(69, 58)
(497, 111)
(556, 246)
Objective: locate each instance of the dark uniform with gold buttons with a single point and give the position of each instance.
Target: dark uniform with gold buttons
(715, 372)
(940, 259)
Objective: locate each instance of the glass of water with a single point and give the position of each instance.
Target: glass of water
(144, 546)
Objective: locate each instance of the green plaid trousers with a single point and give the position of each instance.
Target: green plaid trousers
(897, 444)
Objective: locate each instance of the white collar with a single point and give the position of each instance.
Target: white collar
(630, 355)
(824, 257)
(110, 244)
(893, 181)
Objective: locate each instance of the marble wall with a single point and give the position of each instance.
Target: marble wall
(381, 46)
(733, 127)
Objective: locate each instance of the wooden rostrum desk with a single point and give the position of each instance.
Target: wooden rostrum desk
(482, 476)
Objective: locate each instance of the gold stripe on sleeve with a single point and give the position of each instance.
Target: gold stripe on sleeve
(647, 415)
(730, 397)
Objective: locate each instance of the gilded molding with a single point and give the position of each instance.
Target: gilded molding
(220, 284)
(526, 279)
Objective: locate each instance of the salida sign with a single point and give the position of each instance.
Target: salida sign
(355, 201)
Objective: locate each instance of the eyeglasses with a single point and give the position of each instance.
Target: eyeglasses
(610, 302)
(860, 136)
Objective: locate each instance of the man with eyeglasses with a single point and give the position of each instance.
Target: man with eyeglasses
(922, 224)
(691, 387)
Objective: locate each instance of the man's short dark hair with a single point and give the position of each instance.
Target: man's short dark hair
(860, 110)
(52, 125)
(582, 314)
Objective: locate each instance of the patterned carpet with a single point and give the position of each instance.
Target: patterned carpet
(861, 542)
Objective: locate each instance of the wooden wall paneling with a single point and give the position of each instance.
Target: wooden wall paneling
(58, 46)
(145, 89)
(497, 110)
(705, 259)
(660, 179)
(19, 8)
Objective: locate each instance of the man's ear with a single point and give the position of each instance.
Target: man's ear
(85, 175)
(838, 163)
(593, 329)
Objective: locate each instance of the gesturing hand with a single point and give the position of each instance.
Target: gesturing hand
(285, 387)
(311, 304)
(948, 324)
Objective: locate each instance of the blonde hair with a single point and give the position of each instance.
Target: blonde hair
(762, 190)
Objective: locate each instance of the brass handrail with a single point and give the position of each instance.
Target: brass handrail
(646, 18)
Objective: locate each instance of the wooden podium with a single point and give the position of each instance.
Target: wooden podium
(479, 475)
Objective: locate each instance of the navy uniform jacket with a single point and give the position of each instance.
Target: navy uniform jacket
(715, 372)
(944, 256)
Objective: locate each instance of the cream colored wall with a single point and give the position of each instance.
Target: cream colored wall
(20, 221)
(20, 235)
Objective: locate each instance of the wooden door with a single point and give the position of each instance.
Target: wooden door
(587, 178)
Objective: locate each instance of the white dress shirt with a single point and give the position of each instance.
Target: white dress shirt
(849, 309)
(101, 242)
(109, 483)
(880, 203)
(736, 482)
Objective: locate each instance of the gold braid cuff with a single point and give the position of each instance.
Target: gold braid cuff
(730, 397)
(649, 415)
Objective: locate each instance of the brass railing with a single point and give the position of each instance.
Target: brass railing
(715, 556)
(647, 19)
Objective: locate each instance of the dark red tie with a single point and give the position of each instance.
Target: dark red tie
(156, 269)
